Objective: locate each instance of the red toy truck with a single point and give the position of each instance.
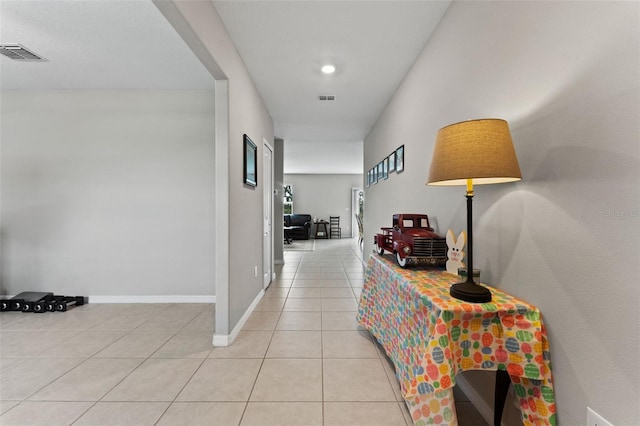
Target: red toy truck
(412, 240)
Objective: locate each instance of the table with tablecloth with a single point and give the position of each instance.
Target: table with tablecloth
(431, 337)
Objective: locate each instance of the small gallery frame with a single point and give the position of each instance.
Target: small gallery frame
(400, 159)
(250, 169)
(392, 162)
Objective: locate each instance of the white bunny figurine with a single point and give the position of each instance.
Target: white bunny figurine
(455, 254)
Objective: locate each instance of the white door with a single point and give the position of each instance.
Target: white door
(267, 205)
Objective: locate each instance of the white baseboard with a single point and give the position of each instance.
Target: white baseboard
(142, 299)
(228, 339)
(152, 299)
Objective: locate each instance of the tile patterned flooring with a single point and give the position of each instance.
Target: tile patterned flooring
(301, 359)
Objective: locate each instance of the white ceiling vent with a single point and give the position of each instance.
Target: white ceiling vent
(19, 53)
(327, 98)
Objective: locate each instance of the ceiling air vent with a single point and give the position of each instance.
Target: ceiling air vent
(327, 98)
(19, 53)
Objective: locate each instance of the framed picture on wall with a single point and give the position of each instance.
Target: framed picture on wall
(392, 162)
(374, 173)
(250, 170)
(400, 159)
(367, 180)
(385, 168)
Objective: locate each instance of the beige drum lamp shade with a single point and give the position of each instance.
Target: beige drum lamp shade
(480, 150)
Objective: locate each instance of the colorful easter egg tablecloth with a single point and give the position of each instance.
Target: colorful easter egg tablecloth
(431, 337)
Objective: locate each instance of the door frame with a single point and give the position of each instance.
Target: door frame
(267, 214)
(355, 197)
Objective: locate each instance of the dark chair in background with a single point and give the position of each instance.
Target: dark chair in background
(334, 227)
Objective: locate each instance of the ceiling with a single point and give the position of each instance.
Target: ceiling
(96, 44)
(372, 44)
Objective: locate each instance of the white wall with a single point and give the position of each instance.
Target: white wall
(107, 192)
(278, 203)
(324, 195)
(566, 238)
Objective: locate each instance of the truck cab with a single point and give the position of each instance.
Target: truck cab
(412, 240)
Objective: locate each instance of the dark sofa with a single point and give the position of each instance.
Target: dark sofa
(299, 226)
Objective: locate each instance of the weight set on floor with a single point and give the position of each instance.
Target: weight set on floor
(39, 302)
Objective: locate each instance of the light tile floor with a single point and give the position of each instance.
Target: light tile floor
(301, 359)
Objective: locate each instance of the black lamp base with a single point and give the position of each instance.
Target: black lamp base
(470, 292)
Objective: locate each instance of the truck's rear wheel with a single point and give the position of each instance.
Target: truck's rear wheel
(402, 262)
(379, 249)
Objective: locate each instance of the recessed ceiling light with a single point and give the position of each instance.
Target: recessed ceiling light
(328, 69)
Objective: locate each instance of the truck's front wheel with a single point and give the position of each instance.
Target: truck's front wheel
(401, 261)
(380, 250)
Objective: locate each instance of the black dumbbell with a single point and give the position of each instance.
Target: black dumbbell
(50, 306)
(15, 304)
(40, 307)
